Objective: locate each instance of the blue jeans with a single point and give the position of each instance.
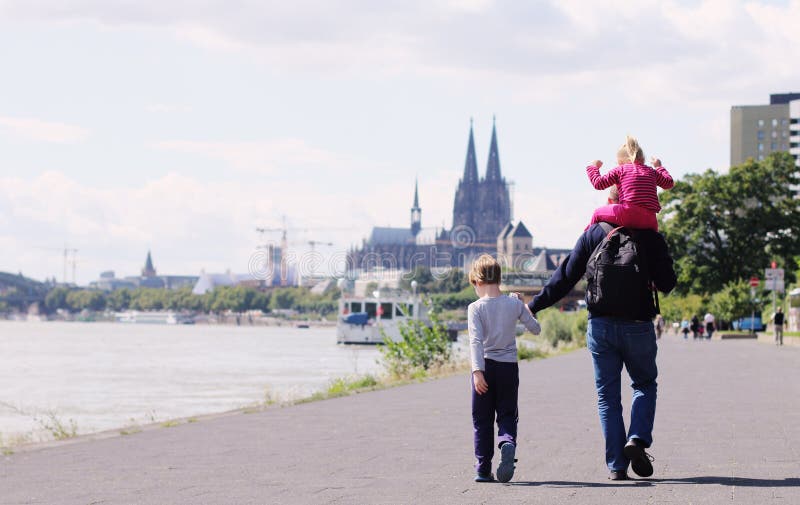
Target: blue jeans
(614, 342)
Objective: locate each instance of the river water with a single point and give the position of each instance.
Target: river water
(109, 375)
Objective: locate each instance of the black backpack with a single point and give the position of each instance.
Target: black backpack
(618, 279)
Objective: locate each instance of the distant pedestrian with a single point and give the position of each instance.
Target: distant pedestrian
(695, 327)
(659, 324)
(620, 333)
(492, 324)
(777, 325)
(711, 325)
(685, 328)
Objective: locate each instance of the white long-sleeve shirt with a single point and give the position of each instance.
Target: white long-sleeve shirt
(492, 325)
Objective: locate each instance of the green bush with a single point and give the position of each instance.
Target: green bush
(526, 352)
(566, 327)
(420, 348)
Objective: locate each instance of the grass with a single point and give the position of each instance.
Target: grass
(58, 428)
(130, 431)
(170, 424)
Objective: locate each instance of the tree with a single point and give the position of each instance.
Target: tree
(732, 302)
(677, 307)
(726, 227)
(423, 277)
(56, 299)
(119, 299)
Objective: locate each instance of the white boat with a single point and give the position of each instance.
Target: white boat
(150, 317)
(365, 320)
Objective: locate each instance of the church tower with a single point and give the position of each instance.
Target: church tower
(466, 200)
(148, 270)
(495, 203)
(416, 212)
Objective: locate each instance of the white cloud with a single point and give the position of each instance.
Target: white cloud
(167, 108)
(665, 51)
(268, 156)
(44, 131)
(191, 224)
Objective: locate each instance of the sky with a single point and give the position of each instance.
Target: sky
(180, 127)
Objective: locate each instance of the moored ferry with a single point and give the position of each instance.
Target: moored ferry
(365, 320)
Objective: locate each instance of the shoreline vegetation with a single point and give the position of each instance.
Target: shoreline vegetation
(423, 358)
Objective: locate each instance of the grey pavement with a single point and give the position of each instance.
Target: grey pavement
(727, 431)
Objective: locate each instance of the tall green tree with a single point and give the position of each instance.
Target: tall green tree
(726, 227)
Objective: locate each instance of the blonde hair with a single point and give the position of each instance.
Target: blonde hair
(613, 193)
(630, 151)
(485, 270)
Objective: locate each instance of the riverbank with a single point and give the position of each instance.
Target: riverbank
(413, 444)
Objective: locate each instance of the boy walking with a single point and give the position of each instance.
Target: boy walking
(492, 322)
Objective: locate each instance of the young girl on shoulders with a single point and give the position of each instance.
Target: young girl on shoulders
(636, 183)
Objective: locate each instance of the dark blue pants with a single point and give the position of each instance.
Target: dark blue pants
(501, 399)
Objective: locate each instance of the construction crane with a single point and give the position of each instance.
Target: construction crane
(66, 251)
(313, 243)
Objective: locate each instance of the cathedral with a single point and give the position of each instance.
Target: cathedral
(481, 211)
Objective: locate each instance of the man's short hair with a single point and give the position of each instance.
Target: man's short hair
(486, 270)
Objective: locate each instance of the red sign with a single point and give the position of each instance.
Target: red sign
(754, 282)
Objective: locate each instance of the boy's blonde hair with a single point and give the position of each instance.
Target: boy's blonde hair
(631, 151)
(485, 270)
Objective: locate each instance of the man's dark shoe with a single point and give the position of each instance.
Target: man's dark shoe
(618, 475)
(484, 477)
(506, 468)
(640, 460)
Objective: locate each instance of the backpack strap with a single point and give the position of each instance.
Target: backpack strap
(607, 227)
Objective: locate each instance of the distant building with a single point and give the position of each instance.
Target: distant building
(148, 279)
(271, 272)
(481, 209)
(108, 282)
(759, 130)
(207, 282)
(149, 271)
(514, 246)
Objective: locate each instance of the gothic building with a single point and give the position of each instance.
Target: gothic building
(481, 210)
(482, 206)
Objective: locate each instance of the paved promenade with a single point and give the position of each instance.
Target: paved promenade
(727, 431)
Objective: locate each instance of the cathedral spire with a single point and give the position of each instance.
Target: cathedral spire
(416, 212)
(493, 165)
(471, 165)
(148, 270)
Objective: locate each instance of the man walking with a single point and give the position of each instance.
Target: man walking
(777, 325)
(710, 323)
(620, 332)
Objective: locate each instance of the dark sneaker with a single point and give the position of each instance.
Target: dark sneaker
(484, 477)
(506, 468)
(618, 475)
(640, 460)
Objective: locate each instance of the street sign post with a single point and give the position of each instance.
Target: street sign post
(754, 282)
(773, 273)
(773, 282)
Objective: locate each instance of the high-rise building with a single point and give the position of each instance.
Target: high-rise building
(759, 130)
(794, 130)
